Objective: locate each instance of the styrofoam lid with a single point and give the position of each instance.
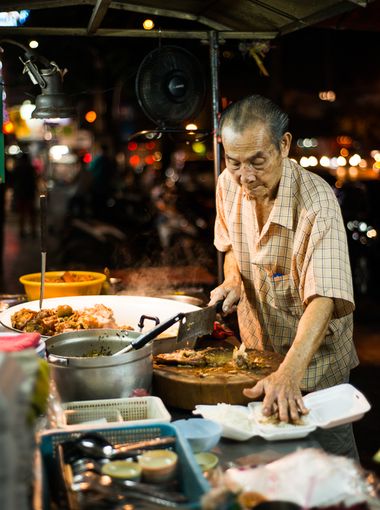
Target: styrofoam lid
(328, 408)
(336, 405)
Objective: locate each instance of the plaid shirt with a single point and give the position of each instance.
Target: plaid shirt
(300, 253)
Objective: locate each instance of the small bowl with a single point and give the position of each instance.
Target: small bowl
(158, 465)
(206, 460)
(90, 285)
(122, 469)
(201, 433)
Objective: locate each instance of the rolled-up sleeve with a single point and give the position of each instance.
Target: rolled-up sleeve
(222, 240)
(327, 271)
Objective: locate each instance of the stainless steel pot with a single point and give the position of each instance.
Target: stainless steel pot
(82, 367)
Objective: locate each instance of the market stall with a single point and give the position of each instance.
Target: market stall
(133, 411)
(65, 449)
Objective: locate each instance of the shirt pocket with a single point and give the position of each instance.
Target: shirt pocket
(286, 296)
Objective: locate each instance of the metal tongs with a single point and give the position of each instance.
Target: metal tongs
(43, 210)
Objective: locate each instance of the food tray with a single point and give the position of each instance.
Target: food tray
(190, 477)
(328, 408)
(90, 414)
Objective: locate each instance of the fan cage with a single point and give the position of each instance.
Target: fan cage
(160, 77)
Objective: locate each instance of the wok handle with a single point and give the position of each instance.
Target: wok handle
(146, 337)
(149, 317)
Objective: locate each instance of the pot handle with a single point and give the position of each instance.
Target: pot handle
(57, 360)
(149, 317)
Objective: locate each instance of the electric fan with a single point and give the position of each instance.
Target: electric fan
(170, 86)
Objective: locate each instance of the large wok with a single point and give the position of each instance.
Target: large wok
(127, 310)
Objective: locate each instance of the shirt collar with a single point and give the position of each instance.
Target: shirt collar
(283, 206)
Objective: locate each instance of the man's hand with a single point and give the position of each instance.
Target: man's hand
(281, 389)
(282, 394)
(229, 293)
(230, 290)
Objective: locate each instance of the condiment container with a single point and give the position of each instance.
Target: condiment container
(122, 469)
(158, 465)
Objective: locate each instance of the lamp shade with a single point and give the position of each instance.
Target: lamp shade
(53, 103)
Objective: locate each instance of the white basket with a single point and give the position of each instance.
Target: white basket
(112, 413)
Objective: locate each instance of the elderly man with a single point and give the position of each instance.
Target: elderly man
(286, 264)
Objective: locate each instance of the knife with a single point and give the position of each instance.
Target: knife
(191, 326)
(197, 324)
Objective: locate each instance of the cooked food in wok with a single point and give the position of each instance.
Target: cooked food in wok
(63, 318)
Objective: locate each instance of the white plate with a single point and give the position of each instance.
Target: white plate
(127, 310)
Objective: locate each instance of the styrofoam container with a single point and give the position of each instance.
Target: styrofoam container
(327, 408)
(112, 413)
(336, 405)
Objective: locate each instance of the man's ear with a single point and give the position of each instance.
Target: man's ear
(285, 144)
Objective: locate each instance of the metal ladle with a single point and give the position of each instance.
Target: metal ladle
(97, 446)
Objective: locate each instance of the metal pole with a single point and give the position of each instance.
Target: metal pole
(2, 159)
(214, 57)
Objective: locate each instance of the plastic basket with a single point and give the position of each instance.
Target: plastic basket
(112, 413)
(190, 477)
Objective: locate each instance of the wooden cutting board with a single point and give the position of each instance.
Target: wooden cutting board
(185, 387)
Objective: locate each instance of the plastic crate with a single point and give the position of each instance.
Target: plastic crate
(190, 477)
(114, 412)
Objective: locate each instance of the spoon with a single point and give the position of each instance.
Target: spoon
(84, 464)
(97, 446)
(91, 481)
(87, 464)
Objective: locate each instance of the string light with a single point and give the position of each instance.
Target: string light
(148, 24)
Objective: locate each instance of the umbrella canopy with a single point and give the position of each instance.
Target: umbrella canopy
(260, 19)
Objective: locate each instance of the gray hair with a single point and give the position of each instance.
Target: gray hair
(254, 109)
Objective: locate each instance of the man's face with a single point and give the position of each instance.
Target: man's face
(253, 160)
